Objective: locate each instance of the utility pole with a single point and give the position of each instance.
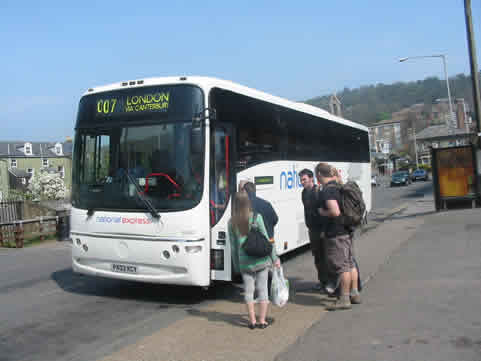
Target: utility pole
(413, 131)
(415, 146)
(474, 67)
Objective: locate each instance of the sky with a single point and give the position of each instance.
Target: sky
(53, 51)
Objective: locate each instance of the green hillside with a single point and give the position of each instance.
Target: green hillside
(372, 103)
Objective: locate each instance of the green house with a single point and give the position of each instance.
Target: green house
(4, 183)
(20, 161)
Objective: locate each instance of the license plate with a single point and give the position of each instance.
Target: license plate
(123, 268)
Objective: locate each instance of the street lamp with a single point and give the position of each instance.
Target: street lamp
(442, 56)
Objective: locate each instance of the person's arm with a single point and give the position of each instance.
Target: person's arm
(332, 209)
(262, 229)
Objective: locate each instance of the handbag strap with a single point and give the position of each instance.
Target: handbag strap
(254, 224)
(254, 220)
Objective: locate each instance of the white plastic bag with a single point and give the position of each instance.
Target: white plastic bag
(279, 287)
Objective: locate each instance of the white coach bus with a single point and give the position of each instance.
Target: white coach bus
(157, 161)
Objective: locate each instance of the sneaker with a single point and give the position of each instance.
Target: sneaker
(340, 304)
(356, 299)
(330, 288)
(320, 287)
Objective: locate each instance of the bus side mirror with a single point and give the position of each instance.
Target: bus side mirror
(199, 118)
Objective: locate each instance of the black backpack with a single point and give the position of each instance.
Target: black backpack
(256, 244)
(352, 204)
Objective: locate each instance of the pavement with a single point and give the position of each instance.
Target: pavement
(421, 273)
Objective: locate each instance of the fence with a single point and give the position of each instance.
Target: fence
(14, 229)
(11, 211)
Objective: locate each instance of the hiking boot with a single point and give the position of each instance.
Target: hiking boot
(356, 299)
(342, 303)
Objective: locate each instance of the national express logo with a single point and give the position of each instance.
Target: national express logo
(123, 220)
(290, 179)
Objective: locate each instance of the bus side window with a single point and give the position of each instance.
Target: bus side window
(260, 140)
(219, 180)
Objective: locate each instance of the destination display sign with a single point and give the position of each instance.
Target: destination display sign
(152, 101)
(178, 102)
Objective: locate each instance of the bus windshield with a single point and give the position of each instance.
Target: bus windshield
(126, 159)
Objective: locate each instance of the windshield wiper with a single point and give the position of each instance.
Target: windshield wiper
(147, 202)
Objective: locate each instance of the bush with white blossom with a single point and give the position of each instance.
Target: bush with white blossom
(47, 186)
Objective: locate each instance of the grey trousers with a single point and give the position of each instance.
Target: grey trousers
(256, 281)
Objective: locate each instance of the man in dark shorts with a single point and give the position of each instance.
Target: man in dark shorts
(338, 242)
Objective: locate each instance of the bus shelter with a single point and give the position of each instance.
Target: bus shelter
(454, 177)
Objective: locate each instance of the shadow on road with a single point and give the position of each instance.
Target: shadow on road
(302, 292)
(421, 191)
(165, 295)
(236, 320)
(414, 215)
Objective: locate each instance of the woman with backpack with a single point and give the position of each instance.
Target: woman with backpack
(254, 270)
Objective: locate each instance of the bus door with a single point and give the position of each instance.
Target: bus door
(221, 187)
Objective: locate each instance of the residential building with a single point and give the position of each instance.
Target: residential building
(22, 160)
(4, 180)
(439, 114)
(415, 118)
(385, 136)
(463, 117)
(418, 117)
(439, 136)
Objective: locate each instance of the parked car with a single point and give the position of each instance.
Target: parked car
(419, 174)
(374, 180)
(400, 178)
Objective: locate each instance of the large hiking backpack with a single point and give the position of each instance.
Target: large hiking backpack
(352, 204)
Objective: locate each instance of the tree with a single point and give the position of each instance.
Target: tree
(46, 186)
(369, 104)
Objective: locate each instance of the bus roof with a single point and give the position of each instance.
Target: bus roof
(209, 83)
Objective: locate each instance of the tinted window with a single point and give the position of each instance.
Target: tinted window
(122, 150)
(269, 132)
(112, 164)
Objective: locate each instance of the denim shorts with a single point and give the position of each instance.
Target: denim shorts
(256, 281)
